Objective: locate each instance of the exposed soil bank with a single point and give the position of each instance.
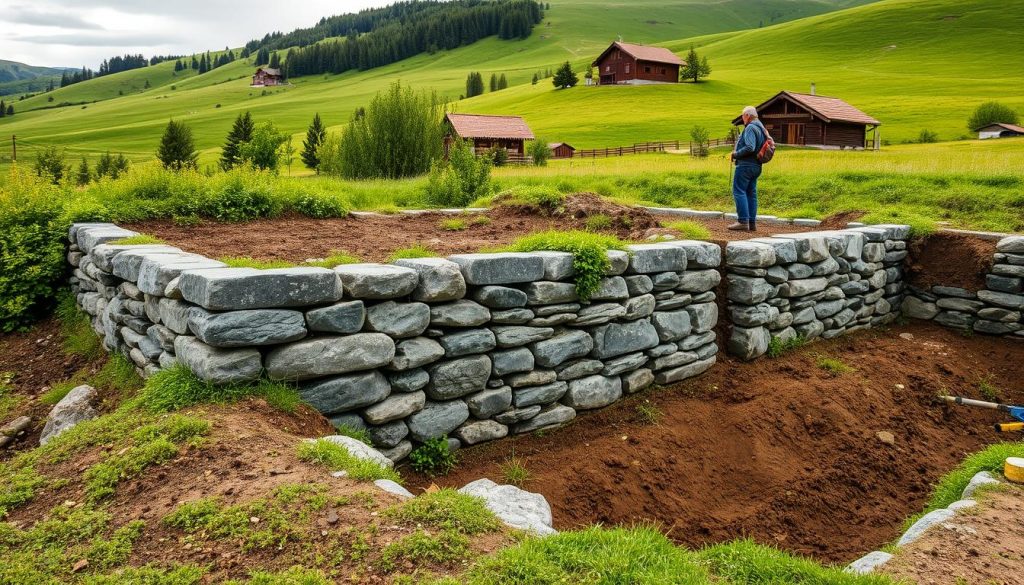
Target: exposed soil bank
(778, 449)
(951, 260)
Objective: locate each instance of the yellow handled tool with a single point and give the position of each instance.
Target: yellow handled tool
(1016, 412)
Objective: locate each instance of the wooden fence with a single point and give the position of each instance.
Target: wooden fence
(638, 148)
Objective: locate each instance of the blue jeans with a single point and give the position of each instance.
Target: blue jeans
(744, 191)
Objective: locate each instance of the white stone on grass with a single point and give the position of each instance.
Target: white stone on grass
(74, 408)
(358, 449)
(868, 563)
(981, 478)
(515, 507)
(918, 529)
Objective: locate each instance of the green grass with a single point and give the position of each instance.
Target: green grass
(589, 254)
(335, 258)
(598, 222)
(834, 366)
(247, 262)
(648, 413)
(444, 547)
(357, 434)
(177, 387)
(139, 239)
(446, 509)
(988, 390)
(416, 251)
(744, 561)
(778, 347)
(514, 471)
(452, 225)
(337, 458)
(8, 399)
(76, 329)
(690, 230)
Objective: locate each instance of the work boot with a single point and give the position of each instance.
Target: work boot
(753, 226)
(739, 226)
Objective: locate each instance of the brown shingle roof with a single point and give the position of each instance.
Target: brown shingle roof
(269, 71)
(645, 53)
(827, 108)
(482, 126)
(1010, 127)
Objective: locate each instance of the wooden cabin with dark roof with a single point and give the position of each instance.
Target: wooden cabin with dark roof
(625, 63)
(487, 132)
(802, 119)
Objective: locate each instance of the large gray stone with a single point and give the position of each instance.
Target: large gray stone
(215, 365)
(639, 307)
(500, 297)
(388, 435)
(440, 280)
(523, 397)
(698, 281)
(599, 313)
(637, 380)
(546, 292)
(1011, 245)
(408, 380)
(127, 264)
(504, 268)
(348, 392)
(828, 308)
(88, 237)
(963, 305)
(156, 272)
(512, 316)
(359, 450)
(74, 408)
(918, 529)
(651, 258)
(785, 250)
(343, 317)
(549, 417)
(562, 348)
(749, 254)
(638, 284)
(579, 368)
(748, 342)
(955, 319)
(809, 248)
(480, 431)
(611, 288)
(399, 320)
(690, 370)
(1001, 299)
(455, 378)
(511, 361)
(868, 563)
(377, 281)
(103, 255)
(226, 289)
(699, 254)
(487, 403)
(395, 407)
(616, 339)
(515, 336)
(415, 352)
(755, 316)
(749, 291)
(671, 325)
(515, 507)
(462, 313)
(1003, 315)
(437, 419)
(802, 287)
(995, 327)
(1008, 270)
(592, 392)
(915, 308)
(326, 356)
(247, 327)
(174, 315)
(1004, 284)
(696, 340)
(625, 363)
(467, 342)
(531, 378)
(515, 415)
(703, 317)
(557, 265)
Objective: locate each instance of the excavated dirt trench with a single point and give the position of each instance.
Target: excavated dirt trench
(778, 450)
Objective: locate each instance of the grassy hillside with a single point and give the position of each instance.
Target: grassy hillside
(572, 29)
(18, 77)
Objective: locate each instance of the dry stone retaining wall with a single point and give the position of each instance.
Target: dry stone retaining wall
(475, 346)
(813, 284)
(998, 309)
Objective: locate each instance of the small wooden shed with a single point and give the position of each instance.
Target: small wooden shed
(486, 132)
(625, 63)
(802, 119)
(265, 76)
(1000, 130)
(561, 150)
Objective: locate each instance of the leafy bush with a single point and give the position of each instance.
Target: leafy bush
(927, 136)
(598, 222)
(589, 254)
(242, 197)
(434, 457)
(539, 152)
(51, 164)
(992, 113)
(263, 149)
(546, 198)
(497, 155)
(700, 138)
(459, 180)
(319, 206)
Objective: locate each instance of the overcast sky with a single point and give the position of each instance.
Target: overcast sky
(73, 33)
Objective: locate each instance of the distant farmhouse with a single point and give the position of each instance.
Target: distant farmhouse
(802, 119)
(265, 76)
(624, 63)
(1000, 130)
(486, 132)
(561, 150)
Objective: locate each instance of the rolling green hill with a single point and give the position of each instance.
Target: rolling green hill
(913, 65)
(18, 78)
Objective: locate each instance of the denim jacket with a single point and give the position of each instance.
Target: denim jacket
(750, 142)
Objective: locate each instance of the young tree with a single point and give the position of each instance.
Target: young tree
(3, 109)
(84, 176)
(565, 77)
(177, 148)
(10, 109)
(263, 150)
(288, 154)
(539, 152)
(992, 113)
(700, 138)
(241, 132)
(275, 61)
(502, 82)
(494, 82)
(535, 80)
(695, 67)
(118, 165)
(314, 137)
(474, 85)
(50, 164)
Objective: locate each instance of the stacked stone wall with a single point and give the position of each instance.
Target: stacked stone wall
(813, 284)
(998, 309)
(475, 346)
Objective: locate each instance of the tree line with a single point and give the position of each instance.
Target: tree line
(475, 84)
(438, 26)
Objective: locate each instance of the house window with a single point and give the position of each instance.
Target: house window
(627, 67)
(607, 68)
(647, 69)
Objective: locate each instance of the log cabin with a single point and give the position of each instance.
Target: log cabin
(487, 132)
(801, 119)
(265, 76)
(561, 150)
(625, 63)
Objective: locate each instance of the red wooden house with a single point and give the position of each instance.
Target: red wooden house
(486, 132)
(804, 119)
(266, 76)
(561, 150)
(637, 64)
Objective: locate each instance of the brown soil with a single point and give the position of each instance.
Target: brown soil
(980, 545)
(950, 260)
(777, 449)
(839, 220)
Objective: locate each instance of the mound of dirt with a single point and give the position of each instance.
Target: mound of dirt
(627, 221)
(838, 221)
(950, 260)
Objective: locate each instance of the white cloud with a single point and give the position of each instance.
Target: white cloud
(73, 33)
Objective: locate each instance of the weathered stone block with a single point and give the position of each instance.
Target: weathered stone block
(650, 258)
(637, 380)
(1001, 299)
(455, 378)
(439, 279)
(515, 336)
(325, 356)
(578, 369)
(511, 361)
(408, 380)
(600, 313)
(227, 289)
(480, 431)
(416, 352)
(549, 417)
(523, 397)
(215, 365)
(399, 320)
(611, 288)
(467, 342)
(343, 317)
(683, 372)
(395, 407)
(749, 254)
(802, 287)
(592, 392)
(437, 419)
(557, 265)
(504, 268)
(616, 339)
(1011, 245)
(348, 392)
(748, 342)
(388, 435)
(624, 363)
(548, 292)
(809, 248)
(377, 281)
(749, 291)
(561, 348)
(500, 297)
(671, 325)
(488, 403)
(247, 327)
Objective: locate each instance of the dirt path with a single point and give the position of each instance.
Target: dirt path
(778, 450)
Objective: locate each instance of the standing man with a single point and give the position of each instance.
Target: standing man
(748, 169)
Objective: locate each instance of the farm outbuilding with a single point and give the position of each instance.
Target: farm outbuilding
(1000, 130)
(625, 63)
(265, 76)
(802, 119)
(487, 132)
(561, 150)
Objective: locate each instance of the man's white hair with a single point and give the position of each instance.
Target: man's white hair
(750, 111)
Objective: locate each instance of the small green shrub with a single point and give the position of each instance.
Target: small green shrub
(589, 254)
(242, 196)
(137, 240)
(598, 222)
(452, 225)
(433, 457)
(417, 251)
(447, 509)
(337, 458)
(320, 206)
(648, 413)
(514, 471)
(546, 198)
(777, 346)
(246, 262)
(335, 258)
(690, 230)
(834, 366)
(57, 393)
(989, 391)
(539, 152)
(480, 219)
(357, 434)
(460, 179)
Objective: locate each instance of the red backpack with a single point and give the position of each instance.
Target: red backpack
(767, 149)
